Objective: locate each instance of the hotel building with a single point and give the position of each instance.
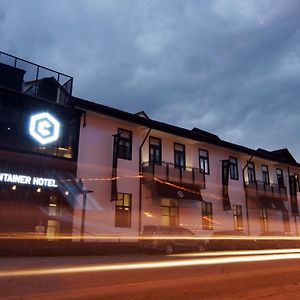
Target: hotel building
(90, 171)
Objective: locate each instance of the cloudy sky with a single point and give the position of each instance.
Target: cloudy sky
(231, 67)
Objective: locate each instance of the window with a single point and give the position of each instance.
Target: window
(204, 161)
(207, 216)
(297, 182)
(251, 172)
(285, 221)
(264, 220)
(125, 144)
(280, 180)
(265, 174)
(237, 217)
(154, 151)
(53, 209)
(14, 121)
(233, 168)
(123, 210)
(179, 156)
(169, 212)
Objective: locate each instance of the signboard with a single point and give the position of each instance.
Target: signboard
(28, 180)
(44, 128)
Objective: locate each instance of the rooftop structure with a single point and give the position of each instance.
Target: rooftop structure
(33, 79)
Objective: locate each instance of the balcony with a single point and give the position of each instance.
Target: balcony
(167, 172)
(259, 189)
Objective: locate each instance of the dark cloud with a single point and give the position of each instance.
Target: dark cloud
(230, 67)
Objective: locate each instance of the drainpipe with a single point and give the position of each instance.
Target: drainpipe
(295, 218)
(247, 210)
(141, 180)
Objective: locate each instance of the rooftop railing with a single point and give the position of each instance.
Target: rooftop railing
(35, 73)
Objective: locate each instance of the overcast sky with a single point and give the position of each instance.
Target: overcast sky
(228, 67)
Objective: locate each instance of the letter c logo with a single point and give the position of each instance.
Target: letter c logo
(44, 128)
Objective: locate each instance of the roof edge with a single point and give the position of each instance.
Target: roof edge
(194, 134)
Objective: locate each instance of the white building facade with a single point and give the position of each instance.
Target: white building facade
(138, 172)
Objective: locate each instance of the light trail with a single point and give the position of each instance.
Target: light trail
(238, 253)
(34, 236)
(150, 265)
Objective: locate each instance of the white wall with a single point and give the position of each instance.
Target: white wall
(95, 167)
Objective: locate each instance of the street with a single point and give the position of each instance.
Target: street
(235, 275)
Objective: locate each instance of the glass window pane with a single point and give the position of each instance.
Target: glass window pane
(127, 200)
(173, 202)
(124, 133)
(123, 212)
(155, 141)
(203, 153)
(173, 211)
(206, 165)
(179, 147)
(165, 202)
(165, 220)
(165, 211)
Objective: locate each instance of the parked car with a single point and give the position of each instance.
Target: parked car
(277, 240)
(231, 240)
(169, 239)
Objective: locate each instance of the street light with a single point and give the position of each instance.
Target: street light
(84, 193)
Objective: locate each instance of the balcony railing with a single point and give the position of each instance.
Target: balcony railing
(257, 189)
(166, 171)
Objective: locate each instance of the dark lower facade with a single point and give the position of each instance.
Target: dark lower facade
(37, 196)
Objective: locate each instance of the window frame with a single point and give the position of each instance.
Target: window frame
(184, 157)
(160, 150)
(252, 164)
(119, 214)
(233, 168)
(237, 211)
(297, 181)
(15, 136)
(280, 176)
(207, 216)
(264, 222)
(268, 174)
(204, 159)
(125, 139)
(173, 219)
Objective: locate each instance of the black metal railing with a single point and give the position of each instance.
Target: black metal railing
(167, 171)
(260, 188)
(34, 73)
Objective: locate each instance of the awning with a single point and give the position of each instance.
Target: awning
(175, 191)
(272, 203)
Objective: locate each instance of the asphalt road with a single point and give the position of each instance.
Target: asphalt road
(172, 277)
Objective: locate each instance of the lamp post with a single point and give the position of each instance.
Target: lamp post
(83, 211)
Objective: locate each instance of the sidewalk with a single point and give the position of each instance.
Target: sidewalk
(63, 248)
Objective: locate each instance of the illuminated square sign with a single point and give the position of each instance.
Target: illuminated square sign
(44, 128)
